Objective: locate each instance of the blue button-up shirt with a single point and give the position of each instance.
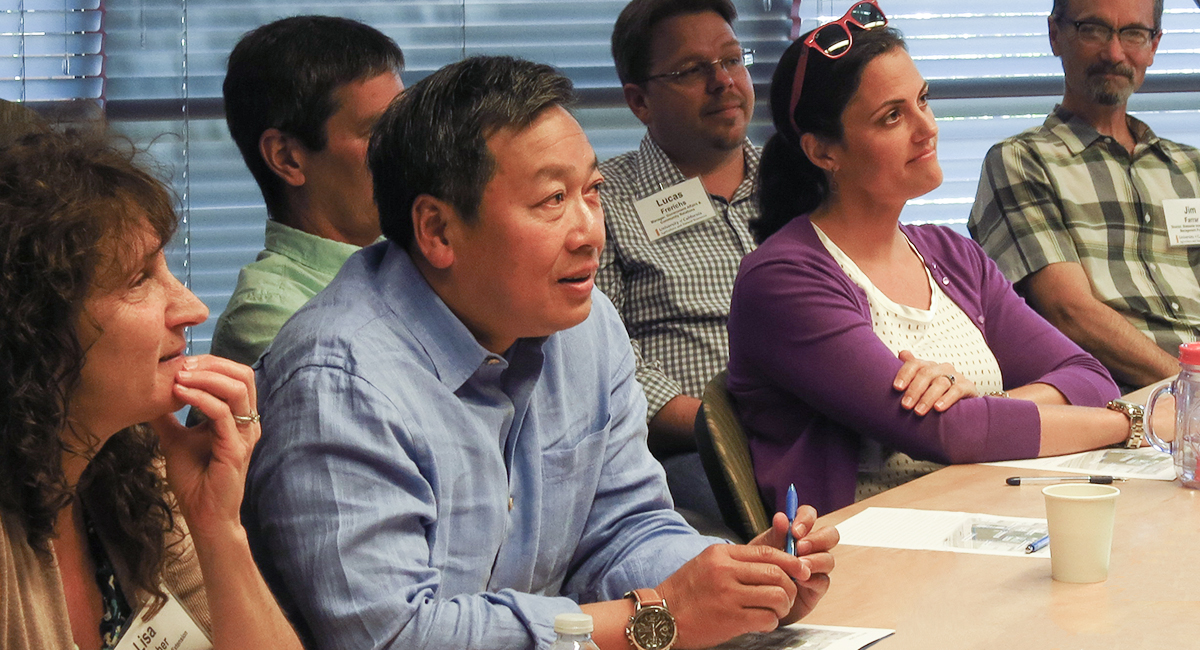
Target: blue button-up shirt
(413, 490)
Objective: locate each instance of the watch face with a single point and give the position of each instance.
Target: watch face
(653, 628)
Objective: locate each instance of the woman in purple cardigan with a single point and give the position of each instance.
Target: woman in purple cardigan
(864, 352)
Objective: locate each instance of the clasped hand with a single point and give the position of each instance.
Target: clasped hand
(930, 385)
(729, 590)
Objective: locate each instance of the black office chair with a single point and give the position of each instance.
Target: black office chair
(725, 455)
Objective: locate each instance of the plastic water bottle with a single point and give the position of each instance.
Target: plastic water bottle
(574, 632)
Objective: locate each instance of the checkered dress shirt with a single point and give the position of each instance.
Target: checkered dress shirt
(1062, 192)
(673, 293)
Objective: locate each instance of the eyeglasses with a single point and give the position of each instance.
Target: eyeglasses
(1100, 34)
(834, 40)
(702, 71)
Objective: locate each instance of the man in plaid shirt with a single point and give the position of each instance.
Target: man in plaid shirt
(684, 76)
(1072, 211)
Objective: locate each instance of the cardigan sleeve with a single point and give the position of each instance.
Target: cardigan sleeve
(1031, 350)
(803, 327)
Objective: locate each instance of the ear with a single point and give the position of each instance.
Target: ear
(284, 155)
(432, 219)
(1054, 35)
(635, 97)
(822, 153)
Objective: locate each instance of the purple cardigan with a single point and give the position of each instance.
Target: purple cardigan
(810, 376)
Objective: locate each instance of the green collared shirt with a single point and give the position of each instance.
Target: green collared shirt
(291, 269)
(1062, 192)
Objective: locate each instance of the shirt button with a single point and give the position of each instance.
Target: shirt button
(1175, 306)
(510, 504)
(1146, 218)
(946, 281)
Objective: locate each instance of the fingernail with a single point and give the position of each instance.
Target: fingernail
(940, 405)
(181, 387)
(189, 363)
(183, 374)
(907, 402)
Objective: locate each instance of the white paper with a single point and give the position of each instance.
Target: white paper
(809, 637)
(676, 208)
(939, 530)
(1146, 463)
(1183, 221)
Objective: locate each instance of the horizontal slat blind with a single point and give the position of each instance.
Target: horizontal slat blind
(989, 65)
(50, 50)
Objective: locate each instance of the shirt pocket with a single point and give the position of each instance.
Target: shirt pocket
(570, 478)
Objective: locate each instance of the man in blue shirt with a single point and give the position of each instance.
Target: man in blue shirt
(454, 442)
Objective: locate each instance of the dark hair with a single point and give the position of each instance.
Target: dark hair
(789, 183)
(433, 138)
(18, 119)
(634, 32)
(70, 207)
(283, 75)
(1058, 11)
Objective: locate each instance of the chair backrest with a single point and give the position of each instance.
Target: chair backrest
(725, 455)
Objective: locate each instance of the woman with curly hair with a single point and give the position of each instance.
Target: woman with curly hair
(110, 509)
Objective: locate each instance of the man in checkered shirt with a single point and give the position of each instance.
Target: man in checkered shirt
(684, 76)
(1073, 210)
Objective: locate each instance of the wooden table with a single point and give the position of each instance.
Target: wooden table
(937, 599)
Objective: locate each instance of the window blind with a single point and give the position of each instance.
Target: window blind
(161, 62)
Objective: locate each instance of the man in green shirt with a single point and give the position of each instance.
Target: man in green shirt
(301, 96)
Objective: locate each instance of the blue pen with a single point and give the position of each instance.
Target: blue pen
(790, 511)
(1037, 544)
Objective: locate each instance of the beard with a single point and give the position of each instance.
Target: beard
(1106, 91)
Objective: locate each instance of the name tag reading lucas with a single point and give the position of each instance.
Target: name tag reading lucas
(169, 629)
(676, 208)
(1183, 221)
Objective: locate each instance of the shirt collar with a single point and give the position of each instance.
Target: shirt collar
(656, 171)
(305, 249)
(1076, 134)
(450, 346)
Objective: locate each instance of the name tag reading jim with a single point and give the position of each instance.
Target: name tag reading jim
(1183, 221)
(676, 208)
(169, 629)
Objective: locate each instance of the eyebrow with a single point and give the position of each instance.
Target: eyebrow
(558, 171)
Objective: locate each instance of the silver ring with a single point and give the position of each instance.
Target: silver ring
(253, 418)
(951, 378)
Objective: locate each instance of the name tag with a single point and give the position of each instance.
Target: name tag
(1183, 221)
(676, 208)
(170, 629)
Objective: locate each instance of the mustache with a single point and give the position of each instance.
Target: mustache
(1110, 68)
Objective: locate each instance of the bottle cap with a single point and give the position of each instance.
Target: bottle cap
(1189, 353)
(573, 624)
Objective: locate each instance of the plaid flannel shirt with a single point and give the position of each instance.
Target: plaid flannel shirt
(673, 293)
(1062, 192)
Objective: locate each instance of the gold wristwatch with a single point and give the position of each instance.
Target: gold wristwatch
(651, 627)
(1137, 421)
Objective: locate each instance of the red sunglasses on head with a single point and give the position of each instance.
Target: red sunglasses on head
(834, 40)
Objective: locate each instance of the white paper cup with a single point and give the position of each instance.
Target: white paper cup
(1080, 518)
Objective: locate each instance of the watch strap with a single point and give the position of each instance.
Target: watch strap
(645, 597)
(1137, 421)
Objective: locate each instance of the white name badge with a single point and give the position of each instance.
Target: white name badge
(1183, 221)
(170, 629)
(676, 208)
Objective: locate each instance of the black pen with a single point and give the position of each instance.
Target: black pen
(1099, 480)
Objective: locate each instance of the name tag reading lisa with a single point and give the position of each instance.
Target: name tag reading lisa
(676, 208)
(169, 629)
(1183, 221)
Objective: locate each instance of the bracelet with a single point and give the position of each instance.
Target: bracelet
(998, 393)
